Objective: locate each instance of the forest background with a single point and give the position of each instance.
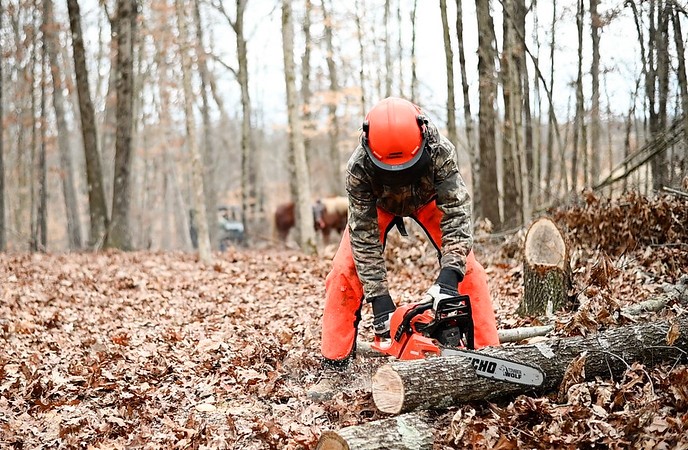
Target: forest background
(125, 121)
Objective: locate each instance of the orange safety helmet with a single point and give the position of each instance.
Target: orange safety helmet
(394, 134)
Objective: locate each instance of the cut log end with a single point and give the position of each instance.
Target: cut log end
(388, 390)
(330, 440)
(544, 245)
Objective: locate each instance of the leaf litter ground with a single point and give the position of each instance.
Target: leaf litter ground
(153, 350)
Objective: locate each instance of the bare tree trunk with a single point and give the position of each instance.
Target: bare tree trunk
(119, 235)
(401, 50)
(209, 154)
(681, 72)
(579, 145)
(449, 61)
(198, 204)
(42, 213)
(336, 180)
(595, 126)
(662, 38)
(96, 193)
(309, 127)
(3, 243)
(388, 52)
(301, 194)
(108, 128)
(468, 119)
(68, 185)
(550, 122)
(414, 75)
(511, 145)
(524, 127)
(361, 49)
(488, 91)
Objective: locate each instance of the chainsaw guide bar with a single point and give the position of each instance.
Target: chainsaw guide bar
(499, 369)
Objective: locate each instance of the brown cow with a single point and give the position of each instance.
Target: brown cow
(328, 214)
(284, 220)
(331, 214)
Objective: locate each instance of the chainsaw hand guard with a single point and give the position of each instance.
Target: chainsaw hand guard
(453, 323)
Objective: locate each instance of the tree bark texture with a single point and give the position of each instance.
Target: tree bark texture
(119, 235)
(449, 61)
(440, 382)
(209, 153)
(96, 193)
(545, 270)
(467, 117)
(301, 196)
(197, 188)
(489, 192)
(681, 74)
(3, 243)
(412, 431)
(336, 180)
(595, 125)
(68, 184)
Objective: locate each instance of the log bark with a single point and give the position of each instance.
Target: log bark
(545, 270)
(441, 382)
(412, 431)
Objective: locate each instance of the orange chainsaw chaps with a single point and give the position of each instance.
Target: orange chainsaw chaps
(344, 292)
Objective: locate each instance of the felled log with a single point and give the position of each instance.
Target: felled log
(545, 270)
(440, 382)
(412, 431)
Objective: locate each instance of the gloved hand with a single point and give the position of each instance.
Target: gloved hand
(445, 286)
(383, 308)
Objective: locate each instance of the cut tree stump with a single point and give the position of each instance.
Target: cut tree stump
(440, 382)
(545, 270)
(412, 431)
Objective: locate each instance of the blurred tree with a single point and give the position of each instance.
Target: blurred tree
(449, 65)
(300, 181)
(68, 183)
(96, 193)
(199, 217)
(489, 192)
(119, 235)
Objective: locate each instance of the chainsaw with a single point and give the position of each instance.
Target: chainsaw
(417, 331)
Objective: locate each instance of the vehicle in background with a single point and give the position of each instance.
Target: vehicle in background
(231, 228)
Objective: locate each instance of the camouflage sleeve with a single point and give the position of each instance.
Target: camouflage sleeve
(453, 200)
(364, 233)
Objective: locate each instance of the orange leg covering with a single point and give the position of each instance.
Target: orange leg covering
(344, 292)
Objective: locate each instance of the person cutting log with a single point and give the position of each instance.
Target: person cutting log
(402, 168)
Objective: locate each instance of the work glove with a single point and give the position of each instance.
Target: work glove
(444, 287)
(383, 308)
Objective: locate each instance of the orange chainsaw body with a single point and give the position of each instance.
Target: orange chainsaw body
(417, 331)
(410, 345)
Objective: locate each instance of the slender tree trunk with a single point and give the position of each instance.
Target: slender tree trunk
(248, 152)
(108, 128)
(468, 118)
(68, 185)
(662, 38)
(301, 196)
(449, 64)
(550, 122)
(489, 192)
(595, 126)
(96, 193)
(414, 75)
(525, 125)
(361, 51)
(401, 50)
(336, 180)
(681, 73)
(42, 213)
(198, 204)
(309, 128)
(3, 243)
(119, 235)
(578, 141)
(512, 195)
(209, 155)
(388, 52)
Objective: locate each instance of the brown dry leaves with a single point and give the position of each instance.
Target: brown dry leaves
(153, 350)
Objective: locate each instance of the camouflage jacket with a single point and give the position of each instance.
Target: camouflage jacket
(441, 181)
